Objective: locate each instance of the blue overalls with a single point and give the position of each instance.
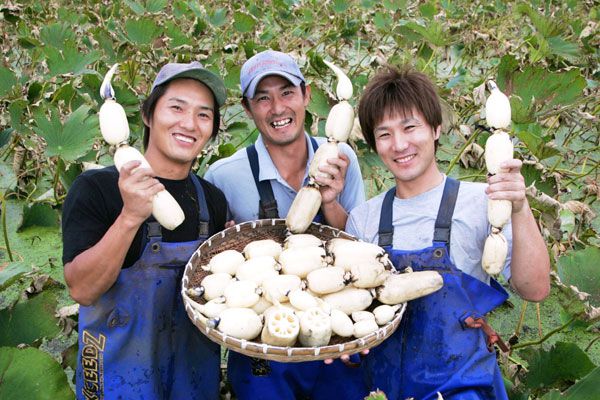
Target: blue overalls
(136, 341)
(436, 348)
(256, 379)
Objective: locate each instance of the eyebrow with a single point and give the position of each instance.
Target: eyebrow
(404, 121)
(181, 101)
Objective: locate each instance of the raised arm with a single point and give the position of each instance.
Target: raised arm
(92, 272)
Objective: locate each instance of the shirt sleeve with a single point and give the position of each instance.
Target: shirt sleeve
(84, 218)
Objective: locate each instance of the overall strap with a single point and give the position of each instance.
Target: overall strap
(203, 217)
(386, 230)
(443, 222)
(267, 207)
(152, 231)
(314, 143)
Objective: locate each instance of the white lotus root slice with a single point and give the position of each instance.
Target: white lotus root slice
(368, 274)
(400, 288)
(226, 261)
(340, 122)
(258, 269)
(241, 294)
(495, 251)
(365, 327)
(261, 305)
(300, 261)
(344, 88)
(240, 323)
(265, 247)
(281, 327)
(498, 148)
(315, 328)
(327, 280)
(302, 300)
(358, 316)
(385, 313)
(349, 299)
(113, 120)
(499, 212)
(213, 285)
(213, 308)
(303, 210)
(277, 288)
(302, 240)
(497, 108)
(341, 324)
(349, 253)
(324, 152)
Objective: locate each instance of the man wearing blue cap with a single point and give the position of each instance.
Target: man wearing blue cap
(261, 181)
(135, 339)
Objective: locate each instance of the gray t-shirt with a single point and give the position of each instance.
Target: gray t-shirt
(414, 220)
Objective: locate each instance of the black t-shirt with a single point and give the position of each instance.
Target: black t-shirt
(94, 203)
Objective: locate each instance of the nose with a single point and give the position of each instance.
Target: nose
(400, 143)
(277, 106)
(187, 121)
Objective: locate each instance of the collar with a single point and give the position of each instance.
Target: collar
(267, 170)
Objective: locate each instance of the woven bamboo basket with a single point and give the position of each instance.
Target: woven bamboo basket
(236, 238)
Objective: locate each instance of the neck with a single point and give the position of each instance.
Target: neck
(290, 160)
(427, 181)
(173, 171)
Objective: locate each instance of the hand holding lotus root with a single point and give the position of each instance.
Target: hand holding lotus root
(304, 291)
(337, 128)
(505, 175)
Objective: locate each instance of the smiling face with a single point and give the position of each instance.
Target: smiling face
(181, 125)
(278, 109)
(406, 145)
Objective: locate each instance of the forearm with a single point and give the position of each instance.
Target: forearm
(94, 271)
(334, 214)
(530, 263)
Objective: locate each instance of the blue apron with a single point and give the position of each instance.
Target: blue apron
(438, 347)
(256, 379)
(136, 341)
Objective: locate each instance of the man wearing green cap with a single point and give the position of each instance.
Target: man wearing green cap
(135, 339)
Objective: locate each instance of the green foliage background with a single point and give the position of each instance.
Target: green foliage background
(544, 54)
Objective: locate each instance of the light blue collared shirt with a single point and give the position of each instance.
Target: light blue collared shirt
(234, 177)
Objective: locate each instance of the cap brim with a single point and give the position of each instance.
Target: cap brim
(213, 81)
(251, 89)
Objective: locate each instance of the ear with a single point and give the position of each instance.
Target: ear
(246, 106)
(145, 120)
(307, 96)
(437, 132)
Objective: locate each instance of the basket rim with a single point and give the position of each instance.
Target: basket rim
(270, 352)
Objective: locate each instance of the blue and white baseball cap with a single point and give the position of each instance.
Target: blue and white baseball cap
(268, 62)
(193, 70)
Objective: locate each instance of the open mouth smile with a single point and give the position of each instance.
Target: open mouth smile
(184, 138)
(405, 159)
(281, 123)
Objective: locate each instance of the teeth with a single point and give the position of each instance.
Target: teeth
(283, 122)
(186, 139)
(405, 159)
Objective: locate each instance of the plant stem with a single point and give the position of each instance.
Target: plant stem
(4, 230)
(521, 318)
(594, 340)
(546, 337)
(457, 157)
(539, 319)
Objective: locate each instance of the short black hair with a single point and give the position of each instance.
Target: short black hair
(149, 105)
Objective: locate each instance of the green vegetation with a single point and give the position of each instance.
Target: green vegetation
(544, 54)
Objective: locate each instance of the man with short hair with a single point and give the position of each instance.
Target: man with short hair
(261, 181)
(429, 221)
(135, 339)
